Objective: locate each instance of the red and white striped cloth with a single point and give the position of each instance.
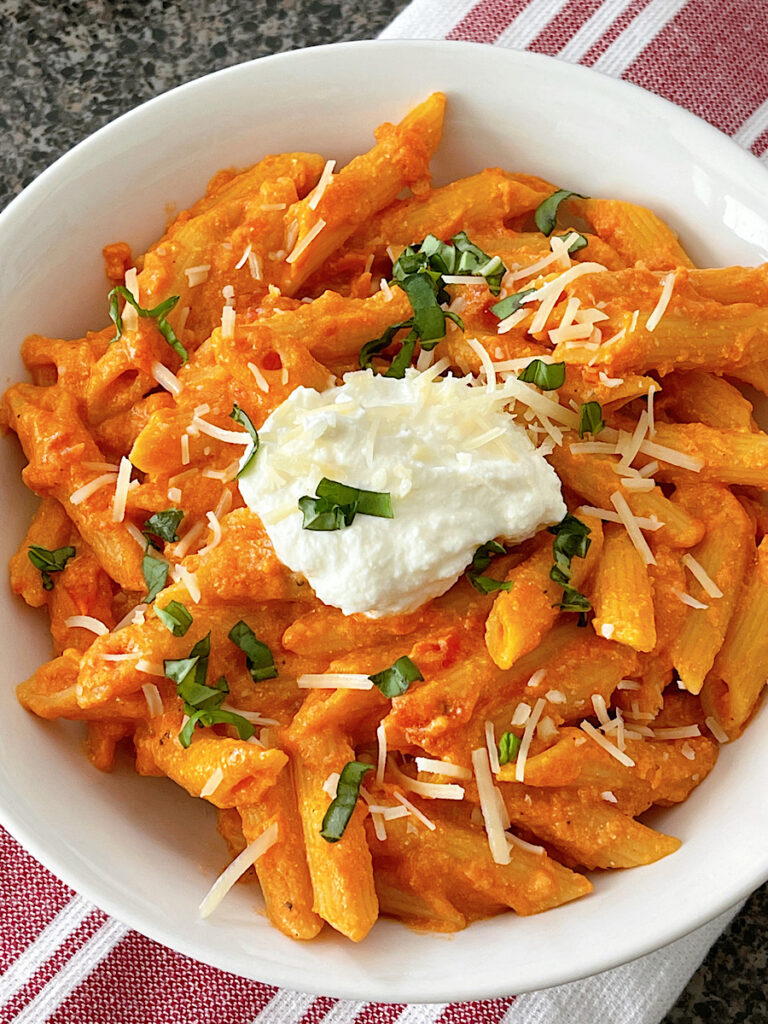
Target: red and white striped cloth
(65, 961)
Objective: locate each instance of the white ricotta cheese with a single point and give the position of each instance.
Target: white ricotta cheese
(459, 469)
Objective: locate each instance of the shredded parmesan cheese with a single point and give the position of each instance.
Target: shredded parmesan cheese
(525, 743)
(555, 697)
(415, 811)
(182, 547)
(631, 525)
(521, 715)
(227, 323)
(493, 750)
(215, 527)
(174, 495)
(609, 796)
(212, 783)
(82, 493)
(261, 380)
(716, 729)
(381, 761)
(322, 184)
(690, 601)
(699, 573)
(613, 750)
(430, 790)
(153, 699)
(487, 792)
(185, 449)
(682, 732)
(513, 840)
(220, 434)
(238, 867)
(86, 622)
(180, 574)
(150, 668)
(335, 681)
(121, 490)
(166, 379)
(660, 308)
(485, 362)
(310, 236)
(434, 767)
(197, 275)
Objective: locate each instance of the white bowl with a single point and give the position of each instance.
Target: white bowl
(140, 848)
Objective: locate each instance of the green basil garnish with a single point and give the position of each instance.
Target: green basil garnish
(509, 745)
(591, 419)
(244, 420)
(155, 571)
(343, 804)
(395, 680)
(571, 541)
(579, 242)
(164, 525)
(175, 617)
(337, 504)
(202, 703)
(48, 561)
(511, 304)
(419, 271)
(480, 562)
(546, 376)
(258, 657)
(546, 212)
(156, 313)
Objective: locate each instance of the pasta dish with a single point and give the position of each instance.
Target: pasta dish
(419, 530)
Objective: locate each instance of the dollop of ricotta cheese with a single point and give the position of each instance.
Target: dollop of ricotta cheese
(459, 469)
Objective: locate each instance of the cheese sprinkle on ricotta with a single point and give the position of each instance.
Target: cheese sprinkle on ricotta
(416, 440)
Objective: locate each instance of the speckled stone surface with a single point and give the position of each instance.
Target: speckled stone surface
(66, 69)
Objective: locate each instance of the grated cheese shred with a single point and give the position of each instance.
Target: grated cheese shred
(238, 867)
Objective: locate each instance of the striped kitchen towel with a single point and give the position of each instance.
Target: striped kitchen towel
(65, 961)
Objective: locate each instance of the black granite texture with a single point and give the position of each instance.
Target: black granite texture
(68, 68)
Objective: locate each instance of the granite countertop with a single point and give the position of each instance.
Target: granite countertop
(69, 68)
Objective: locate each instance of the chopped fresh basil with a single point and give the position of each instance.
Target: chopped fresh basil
(156, 313)
(419, 271)
(546, 376)
(571, 541)
(343, 804)
(369, 503)
(155, 571)
(509, 745)
(258, 657)
(164, 525)
(202, 703)
(175, 617)
(480, 562)
(49, 561)
(511, 304)
(395, 680)
(336, 505)
(579, 242)
(325, 514)
(591, 419)
(181, 668)
(546, 212)
(244, 420)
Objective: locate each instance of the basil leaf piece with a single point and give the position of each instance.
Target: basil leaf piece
(180, 671)
(325, 514)
(164, 525)
(373, 348)
(579, 242)
(546, 212)
(419, 271)
(258, 657)
(511, 304)
(477, 263)
(546, 376)
(480, 562)
(571, 541)
(509, 745)
(203, 706)
(343, 804)
(175, 617)
(244, 420)
(395, 680)
(47, 561)
(369, 503)
(155, 572)
(185, 736)
(156, 313)
(591, 419)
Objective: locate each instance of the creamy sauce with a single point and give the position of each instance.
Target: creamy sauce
(459, 469)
